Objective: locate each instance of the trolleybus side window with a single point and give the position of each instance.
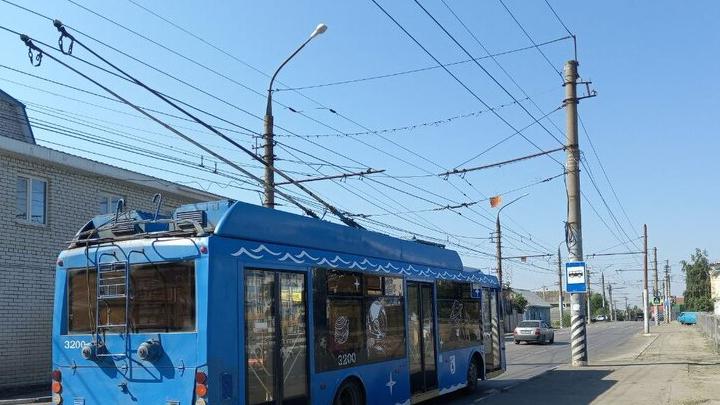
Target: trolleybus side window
(162, 299)
(459, 316)
(358, 318)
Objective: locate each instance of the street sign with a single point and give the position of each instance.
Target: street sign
(656, 300)
(575, 277)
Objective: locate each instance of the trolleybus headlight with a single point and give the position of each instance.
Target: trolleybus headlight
(56, 386)
(149, 350)
(56, 375)
(56, 399)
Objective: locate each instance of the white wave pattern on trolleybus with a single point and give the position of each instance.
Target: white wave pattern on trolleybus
(303, 257)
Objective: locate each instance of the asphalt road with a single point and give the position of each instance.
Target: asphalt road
(525, 361)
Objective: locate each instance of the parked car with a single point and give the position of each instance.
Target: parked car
(534, 331)
(687, 318)
(600, 318)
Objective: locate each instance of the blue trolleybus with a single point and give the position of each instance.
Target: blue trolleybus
(230, 303)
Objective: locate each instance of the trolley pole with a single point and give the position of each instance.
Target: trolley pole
(657, 287)
(560, 288)
(646, 320)
(578, 336)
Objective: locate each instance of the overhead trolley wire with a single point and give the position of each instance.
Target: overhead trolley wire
(530, 38)
(454, 40)
(321, 123)
(418, 70)
(29, 43)
(465, 86)
(328, 206)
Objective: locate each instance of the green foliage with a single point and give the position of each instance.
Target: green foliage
(519, 303)
(697, 282)
(566, 319)
(596, 305)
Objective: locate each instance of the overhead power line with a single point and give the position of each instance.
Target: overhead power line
(418, 70)
(530, 38)
(503, 163)
(462, 84)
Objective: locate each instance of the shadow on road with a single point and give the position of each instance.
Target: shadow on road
(559, 387)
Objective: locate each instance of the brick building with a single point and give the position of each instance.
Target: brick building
(45, 197)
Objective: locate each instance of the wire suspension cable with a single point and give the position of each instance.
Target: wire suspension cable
(328, 206)
(28, 41)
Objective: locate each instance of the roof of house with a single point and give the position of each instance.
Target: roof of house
(26, 133)
(533, 299)
(30, 151)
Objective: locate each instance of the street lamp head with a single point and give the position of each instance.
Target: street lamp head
(318, 30)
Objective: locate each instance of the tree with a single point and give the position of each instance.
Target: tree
(697, 282)
(519, 303)
(596, 305)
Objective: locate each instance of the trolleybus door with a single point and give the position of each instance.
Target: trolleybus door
(421, 335)
(276, 338)
(491, 332)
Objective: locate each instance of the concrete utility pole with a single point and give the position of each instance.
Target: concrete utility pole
(668, 297)
(657, 286)
(268, 136)
(602, 278)
(560, 288)
(646, 320)
(612, 311)
(627, 310)
(578, 333)
(498, 253)
(588, 294)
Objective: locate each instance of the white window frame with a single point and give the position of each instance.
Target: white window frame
(28, 200)
(109, 197)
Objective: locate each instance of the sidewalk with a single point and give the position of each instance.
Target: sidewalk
(673, 365)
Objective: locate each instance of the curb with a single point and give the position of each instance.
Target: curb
(22, 401)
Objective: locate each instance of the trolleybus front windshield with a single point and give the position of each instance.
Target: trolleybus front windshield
(161, 299)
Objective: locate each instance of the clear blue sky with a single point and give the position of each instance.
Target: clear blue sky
(653, 123)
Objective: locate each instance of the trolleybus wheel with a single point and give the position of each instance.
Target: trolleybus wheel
(472, 377)
(349, 393)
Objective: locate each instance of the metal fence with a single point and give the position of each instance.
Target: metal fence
(709, 324)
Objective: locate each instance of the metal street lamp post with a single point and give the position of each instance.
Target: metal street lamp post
(268, 137)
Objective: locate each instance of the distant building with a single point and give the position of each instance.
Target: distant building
(45, 197)
(551, 298)
(715, 286)
(536, 308)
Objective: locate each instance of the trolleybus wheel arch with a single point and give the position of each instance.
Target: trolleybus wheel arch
(351, 392)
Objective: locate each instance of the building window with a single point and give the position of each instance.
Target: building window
(108, 203)
(31, 200)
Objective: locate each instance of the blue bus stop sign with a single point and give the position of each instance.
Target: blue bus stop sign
(575, 277)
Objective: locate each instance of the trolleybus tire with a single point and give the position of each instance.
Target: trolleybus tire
(472, 377)
(349, 393)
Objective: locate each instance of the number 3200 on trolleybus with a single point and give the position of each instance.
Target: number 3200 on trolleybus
(230, 303)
